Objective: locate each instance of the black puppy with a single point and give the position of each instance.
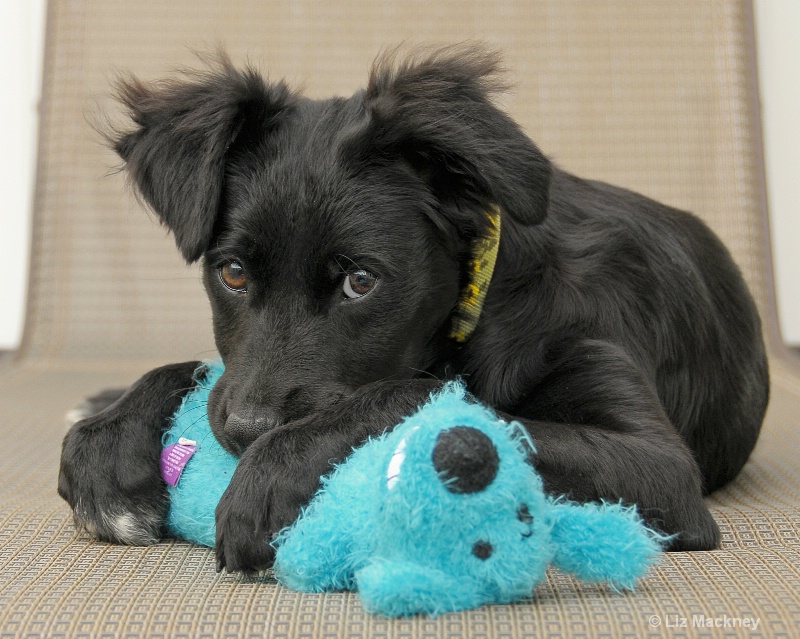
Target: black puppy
(341, 240)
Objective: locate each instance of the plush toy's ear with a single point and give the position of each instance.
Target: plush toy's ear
(402, 589)
(436, 111)
(604, 542)
(185, 131)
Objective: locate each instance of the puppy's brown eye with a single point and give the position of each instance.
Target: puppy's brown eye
(359, 283)
(233, 276)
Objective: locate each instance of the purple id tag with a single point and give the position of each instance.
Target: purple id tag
(174, 459)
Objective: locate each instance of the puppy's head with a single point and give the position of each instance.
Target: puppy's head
(334, 233)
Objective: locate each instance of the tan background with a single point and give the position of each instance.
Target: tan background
(652, 123)
(777, 21)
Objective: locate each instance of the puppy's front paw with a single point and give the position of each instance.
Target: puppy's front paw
(113, 483)
(694, 528)
(273, 481)
(243, 528)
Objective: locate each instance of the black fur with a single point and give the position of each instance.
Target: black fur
(618, 330)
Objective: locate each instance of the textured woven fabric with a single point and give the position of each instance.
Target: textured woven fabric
(656, 96)
(54, 582)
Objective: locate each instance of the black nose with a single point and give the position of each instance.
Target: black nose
(465, 459)
(244, 426)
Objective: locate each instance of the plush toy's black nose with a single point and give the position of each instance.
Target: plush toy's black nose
(465, 459)
(243, 427)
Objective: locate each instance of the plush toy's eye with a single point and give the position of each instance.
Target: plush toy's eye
(233, 276)
(482, 550)
(358, 283)
(524, 515)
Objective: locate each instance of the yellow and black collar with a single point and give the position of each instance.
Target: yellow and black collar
(481, 269)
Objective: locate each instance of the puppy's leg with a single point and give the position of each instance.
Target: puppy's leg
(110, 472)
(601, 433)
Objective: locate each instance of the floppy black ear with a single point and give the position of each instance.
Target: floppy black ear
(438, 112)
(185, 129)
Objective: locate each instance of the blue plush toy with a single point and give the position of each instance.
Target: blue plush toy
(443, 513)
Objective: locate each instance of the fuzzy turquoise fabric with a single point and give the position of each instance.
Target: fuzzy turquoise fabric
(208, 473)
(387, 524)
